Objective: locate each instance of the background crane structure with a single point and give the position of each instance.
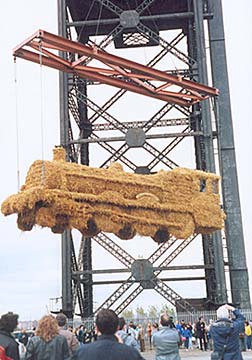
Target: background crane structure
(185, 38)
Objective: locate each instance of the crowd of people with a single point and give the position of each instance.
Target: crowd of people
(112, 338)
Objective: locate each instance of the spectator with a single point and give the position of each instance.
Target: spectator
(126, 337)
(149, 334)
(201, 333)
(166, 340)
(8, 323)
(190, 327)
(248, 335)
(132, 329)
(186, 334)
(23, 337)
(47, 344)
(73, 343)
(80, 334)
(107, 345)
(225, 333)
(140, 338)
(154, 327)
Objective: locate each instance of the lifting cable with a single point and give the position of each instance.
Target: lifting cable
(98, 22)
(17, 120)
(41, 114)
(86, 18)
(17, 125)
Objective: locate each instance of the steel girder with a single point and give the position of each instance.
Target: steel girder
(120, 72)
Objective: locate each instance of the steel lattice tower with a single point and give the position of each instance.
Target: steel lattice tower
(196, 41)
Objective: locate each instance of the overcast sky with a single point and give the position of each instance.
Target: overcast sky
(30, 263)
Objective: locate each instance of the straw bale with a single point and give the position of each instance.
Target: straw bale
(63, 195)
(45, 217)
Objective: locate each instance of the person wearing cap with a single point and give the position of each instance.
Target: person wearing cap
(225, 332)
(8, 323)
(72, 341)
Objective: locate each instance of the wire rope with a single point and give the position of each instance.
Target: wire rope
(41, 114)
(157, 29)
(98, 20)
(87, 16)
(17, 125)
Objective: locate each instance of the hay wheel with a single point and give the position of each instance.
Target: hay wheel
(126, 232)
(187, 227)
(61, 224)
(26, 219)
(91, 229)
(161, 235)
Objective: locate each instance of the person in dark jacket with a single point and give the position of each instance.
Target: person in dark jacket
(8, 323)
(201, 333)
(107, 345)
(23, 337)
(47, 344)
(225, 332)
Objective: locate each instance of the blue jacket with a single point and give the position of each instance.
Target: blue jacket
(186, 333)
(106, 348)
(226, 332)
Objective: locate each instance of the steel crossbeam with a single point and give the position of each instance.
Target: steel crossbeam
(173, 297)
(119, 152)
(127, 74)
(141, 124)
(76, 288)
(158, 284)
(144, 29)
(126, 285)
(167, 149)
(114, 249)
(143, 6)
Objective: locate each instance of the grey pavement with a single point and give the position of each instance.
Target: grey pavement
(193, 354)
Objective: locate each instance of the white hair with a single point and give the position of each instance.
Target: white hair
(222, 312)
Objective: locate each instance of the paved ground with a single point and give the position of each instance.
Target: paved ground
(193, 354)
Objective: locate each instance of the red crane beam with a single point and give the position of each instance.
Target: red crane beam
(43, 47)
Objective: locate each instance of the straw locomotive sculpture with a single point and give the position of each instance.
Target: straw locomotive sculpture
(62, 195)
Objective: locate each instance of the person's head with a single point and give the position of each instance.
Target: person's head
(8, 322)
(47, 328)
(121, 323)
(132, 325)
(61, 319)
(107, 322)
(164, 320)
(222, 312)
